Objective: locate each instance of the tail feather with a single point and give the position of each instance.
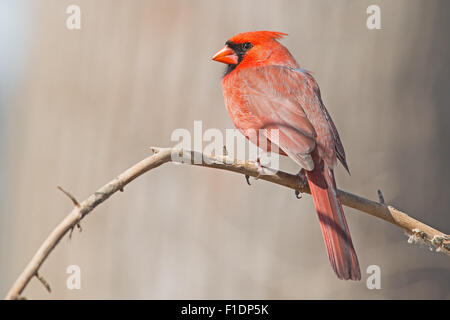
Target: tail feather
(334, 227)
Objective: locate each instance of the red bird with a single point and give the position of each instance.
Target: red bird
(265, 88)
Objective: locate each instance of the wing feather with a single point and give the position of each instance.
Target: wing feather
(269, 98)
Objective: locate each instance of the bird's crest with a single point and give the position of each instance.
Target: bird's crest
(257, 36)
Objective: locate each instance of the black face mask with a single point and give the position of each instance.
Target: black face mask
(240, 49)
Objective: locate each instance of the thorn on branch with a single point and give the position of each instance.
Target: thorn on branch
(71, 197)
(43, 281)
(78, 225)
(225, 151)
(380, 197)
(155, 150)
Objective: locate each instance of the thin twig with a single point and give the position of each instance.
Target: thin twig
(429, 235)
(44, 282)
(75, 202)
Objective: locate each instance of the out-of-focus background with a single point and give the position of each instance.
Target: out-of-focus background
(77, 107)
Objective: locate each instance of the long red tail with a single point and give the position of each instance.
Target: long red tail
(335, 231)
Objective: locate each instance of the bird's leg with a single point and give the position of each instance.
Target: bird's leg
(303, 181)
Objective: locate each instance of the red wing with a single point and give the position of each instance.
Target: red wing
(274, 95)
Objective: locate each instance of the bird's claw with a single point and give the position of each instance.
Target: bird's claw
(247, 178)
(303, 182)
(259, 169)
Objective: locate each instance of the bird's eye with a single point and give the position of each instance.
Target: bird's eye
(247, 46)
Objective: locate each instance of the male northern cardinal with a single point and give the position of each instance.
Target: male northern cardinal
(264, 88)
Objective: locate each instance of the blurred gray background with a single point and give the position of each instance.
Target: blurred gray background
(78, 107)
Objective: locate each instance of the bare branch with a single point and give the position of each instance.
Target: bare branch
(418, 230)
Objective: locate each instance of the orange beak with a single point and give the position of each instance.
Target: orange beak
(226, 55)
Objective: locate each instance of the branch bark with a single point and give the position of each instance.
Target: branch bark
(418, 231)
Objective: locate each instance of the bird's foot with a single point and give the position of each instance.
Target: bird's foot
(303, 182)
(260, 170)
